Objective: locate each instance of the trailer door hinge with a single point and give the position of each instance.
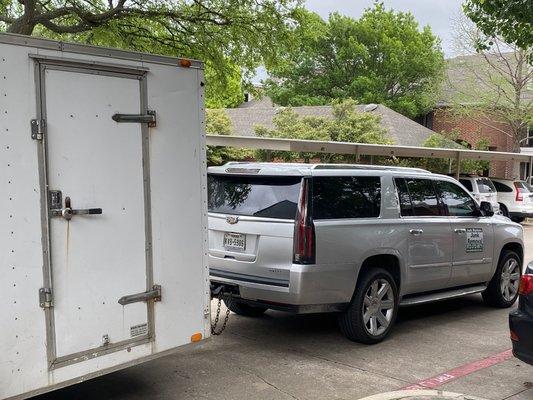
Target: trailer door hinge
(38, 129)
(45, 298)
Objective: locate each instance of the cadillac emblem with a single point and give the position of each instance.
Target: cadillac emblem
(232, 220)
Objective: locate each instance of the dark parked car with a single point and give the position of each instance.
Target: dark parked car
(521, 319)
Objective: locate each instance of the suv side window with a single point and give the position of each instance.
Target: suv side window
(456, 200)
(467, 184)
(501, 187)
(406, 208)
(418, 197)
(336, 197)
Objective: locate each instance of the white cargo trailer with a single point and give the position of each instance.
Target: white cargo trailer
(103, 211)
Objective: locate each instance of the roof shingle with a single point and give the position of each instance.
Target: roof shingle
(402, 130)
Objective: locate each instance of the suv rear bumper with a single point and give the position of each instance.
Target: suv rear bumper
(310, 288)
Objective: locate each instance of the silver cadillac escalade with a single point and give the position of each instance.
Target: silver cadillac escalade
(357, 240)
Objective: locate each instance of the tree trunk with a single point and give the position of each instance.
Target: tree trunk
(26, 23)
(22, 26)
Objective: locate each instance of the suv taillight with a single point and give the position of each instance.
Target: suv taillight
(526, 285)
(304, 229)
(519, 196)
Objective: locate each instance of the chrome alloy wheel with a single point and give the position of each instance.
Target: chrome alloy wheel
(510, 279)
(378, 307)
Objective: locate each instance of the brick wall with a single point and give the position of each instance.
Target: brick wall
(472, 130)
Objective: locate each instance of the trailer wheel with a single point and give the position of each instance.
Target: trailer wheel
(243, 309)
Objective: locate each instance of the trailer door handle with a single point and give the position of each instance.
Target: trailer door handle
(154, 294)
(67, 212)
(148, 118)
(460, 231)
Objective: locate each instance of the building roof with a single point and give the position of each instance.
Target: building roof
(260, 112)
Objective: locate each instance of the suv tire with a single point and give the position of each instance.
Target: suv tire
(243, 309)
(505, 211)
(502, 290)
(371, 286)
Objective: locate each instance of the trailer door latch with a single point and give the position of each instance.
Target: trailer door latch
(148, 118)
(45, 298)
(154, 295)
(38, 129)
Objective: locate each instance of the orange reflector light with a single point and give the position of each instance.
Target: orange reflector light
(196, 337)
(185, 63)
(514, 337)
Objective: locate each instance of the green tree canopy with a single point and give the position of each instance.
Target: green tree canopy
(383, 57)
(232, 37)
(442, 165)
(218, 123)
(510, 19)
(346, 125)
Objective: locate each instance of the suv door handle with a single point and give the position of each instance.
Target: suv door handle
(460, 231)
(416, 232)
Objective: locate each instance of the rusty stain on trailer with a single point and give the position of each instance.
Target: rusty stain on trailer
(67, 245)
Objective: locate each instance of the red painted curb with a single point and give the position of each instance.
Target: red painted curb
(461, 371)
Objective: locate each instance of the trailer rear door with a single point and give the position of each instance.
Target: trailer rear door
(98, 217)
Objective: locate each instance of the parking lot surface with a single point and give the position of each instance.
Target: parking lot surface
(459, 346)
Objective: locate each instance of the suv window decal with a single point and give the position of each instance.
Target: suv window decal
(474, 240)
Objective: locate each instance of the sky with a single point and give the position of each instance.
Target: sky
(438, 14)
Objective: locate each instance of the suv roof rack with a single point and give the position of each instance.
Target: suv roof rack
(365, 166)
(245, 164)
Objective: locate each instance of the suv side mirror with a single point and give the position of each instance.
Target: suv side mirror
(486, 209)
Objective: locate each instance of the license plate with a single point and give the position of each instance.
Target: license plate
(234, 241)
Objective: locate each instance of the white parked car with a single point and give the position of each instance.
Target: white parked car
(515, 198)
(482, 189)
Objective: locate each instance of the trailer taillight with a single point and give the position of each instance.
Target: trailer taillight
(304, 229)
(526, 285)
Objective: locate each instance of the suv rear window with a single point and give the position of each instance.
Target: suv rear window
(485, 185)
(257, 196)
(337, 197)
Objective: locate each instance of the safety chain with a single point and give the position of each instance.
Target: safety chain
(217, 317)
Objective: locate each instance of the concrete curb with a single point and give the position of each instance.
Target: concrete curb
(420, 395)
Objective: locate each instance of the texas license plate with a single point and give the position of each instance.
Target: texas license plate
(235, 241)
